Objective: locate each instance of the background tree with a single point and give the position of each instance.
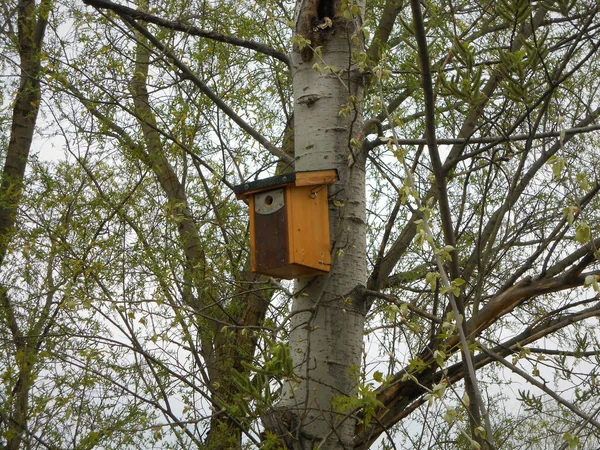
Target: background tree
(464, 282)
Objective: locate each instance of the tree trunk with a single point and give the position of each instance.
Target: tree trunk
(31, 26)
(222, 350)
(327, 328)
(31, 29)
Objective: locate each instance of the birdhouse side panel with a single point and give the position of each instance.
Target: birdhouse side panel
(309, 227)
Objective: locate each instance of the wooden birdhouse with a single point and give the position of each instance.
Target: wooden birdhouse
(289, 223)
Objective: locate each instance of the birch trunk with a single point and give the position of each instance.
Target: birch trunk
(327, 327)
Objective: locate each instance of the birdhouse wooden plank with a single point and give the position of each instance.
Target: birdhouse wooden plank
(289, 223)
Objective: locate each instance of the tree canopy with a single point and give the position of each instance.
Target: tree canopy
(462, 303)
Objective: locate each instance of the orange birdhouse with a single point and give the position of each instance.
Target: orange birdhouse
(289, 223)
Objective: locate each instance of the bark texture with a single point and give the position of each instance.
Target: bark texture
(326, 336)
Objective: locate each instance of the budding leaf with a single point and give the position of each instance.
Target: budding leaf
(582, 233)
(431, 279)
(450, 415)
(558, 164)
(569, 212)
(592, 280)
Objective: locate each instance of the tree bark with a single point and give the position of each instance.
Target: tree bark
(327, 325)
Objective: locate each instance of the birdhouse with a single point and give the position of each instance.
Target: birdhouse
(289, 223)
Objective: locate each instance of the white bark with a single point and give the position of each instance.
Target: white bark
(327, 330)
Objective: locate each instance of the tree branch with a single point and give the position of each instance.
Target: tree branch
(396, 301)
(493, 140)
(430, 137)
(121, 135)
(477, 407)
(406, 235)
(188, 29)
(402, 397)
(382, 33)
(541, 386)
(207, 91)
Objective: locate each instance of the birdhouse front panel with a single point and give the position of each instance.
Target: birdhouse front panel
(269, 231)
(289, 224)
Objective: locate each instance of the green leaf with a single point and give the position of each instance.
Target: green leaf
(571, 439)
(582, 233)
(582, 181)
(569, 212)
(466, 400)
(450, 415)
(558, 164)
(431, 279)
(439, 357)
(438, 389)
(480, 431)
(458, 282)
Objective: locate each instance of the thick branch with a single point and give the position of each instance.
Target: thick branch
(383, 31)
(24, 116)
(404, 396)
(166, 176)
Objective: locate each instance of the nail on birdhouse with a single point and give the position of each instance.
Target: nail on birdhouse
(289, 223)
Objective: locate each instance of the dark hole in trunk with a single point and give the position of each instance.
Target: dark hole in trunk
(325, 9)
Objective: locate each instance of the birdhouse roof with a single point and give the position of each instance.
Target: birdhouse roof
(304, 178)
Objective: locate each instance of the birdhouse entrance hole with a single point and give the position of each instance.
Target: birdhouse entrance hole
(268, 202)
